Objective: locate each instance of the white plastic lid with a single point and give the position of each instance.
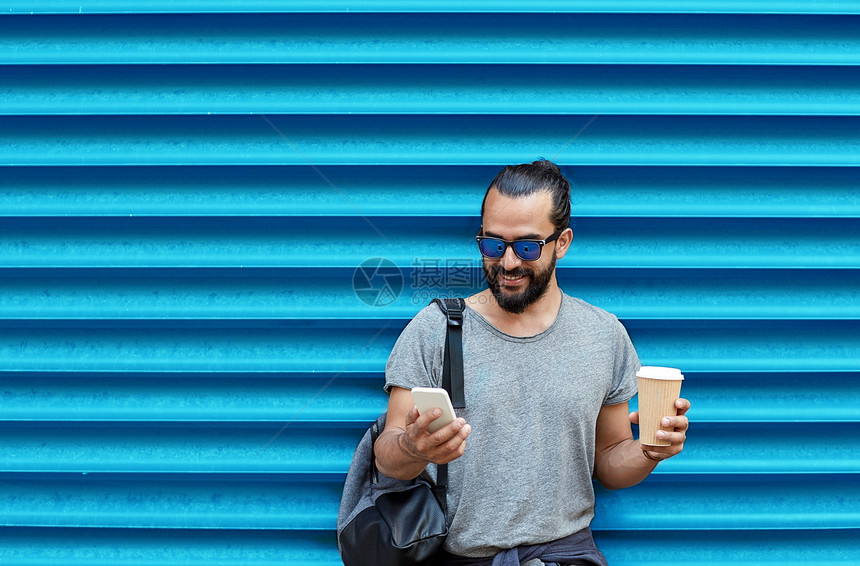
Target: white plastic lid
(657, 372)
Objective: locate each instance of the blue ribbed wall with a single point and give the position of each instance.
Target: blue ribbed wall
(188, 188)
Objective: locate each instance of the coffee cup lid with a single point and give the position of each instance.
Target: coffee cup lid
(656, 372)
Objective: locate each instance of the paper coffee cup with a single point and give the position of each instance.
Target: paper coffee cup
(659, 387)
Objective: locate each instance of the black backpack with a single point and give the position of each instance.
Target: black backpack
(383, 521)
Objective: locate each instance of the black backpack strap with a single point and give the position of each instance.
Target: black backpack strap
(452, 366)
(452, 377)
(374, 434)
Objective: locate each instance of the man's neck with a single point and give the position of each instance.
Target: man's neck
(537, 317)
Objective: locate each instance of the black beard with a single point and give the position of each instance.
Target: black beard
(516, 303)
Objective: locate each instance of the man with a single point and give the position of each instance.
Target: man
(547, 382)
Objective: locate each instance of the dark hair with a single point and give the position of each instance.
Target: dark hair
(530, 178)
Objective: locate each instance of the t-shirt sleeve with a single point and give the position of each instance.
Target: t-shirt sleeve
(416, 359)
(624, 385)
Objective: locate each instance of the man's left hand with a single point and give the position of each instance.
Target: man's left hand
(676, 437)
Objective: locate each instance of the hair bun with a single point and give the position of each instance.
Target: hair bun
(547, 165)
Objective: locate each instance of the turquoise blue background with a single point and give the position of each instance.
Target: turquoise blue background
(188, 187)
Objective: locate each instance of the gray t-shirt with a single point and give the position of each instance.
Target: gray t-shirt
(532, 402)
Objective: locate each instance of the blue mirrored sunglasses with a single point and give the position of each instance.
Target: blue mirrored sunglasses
(526, 250)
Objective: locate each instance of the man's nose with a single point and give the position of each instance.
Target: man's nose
(510, 259)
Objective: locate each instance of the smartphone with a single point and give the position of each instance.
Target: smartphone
(429, 398)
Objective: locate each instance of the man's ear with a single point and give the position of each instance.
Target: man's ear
(565, 239)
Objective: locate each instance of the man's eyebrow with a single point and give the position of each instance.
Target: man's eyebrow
(524, 237)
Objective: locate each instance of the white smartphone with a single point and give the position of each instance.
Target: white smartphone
(429, 398)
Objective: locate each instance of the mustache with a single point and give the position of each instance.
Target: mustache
(498, 270)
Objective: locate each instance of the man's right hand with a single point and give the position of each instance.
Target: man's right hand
(405, 447)
(443, 446)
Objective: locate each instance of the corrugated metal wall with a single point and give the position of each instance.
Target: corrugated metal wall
(188, 188)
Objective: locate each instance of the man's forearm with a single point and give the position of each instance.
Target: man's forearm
(623, 465)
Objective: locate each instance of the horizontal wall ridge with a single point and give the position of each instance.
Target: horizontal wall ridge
(747, 346)
(513, 90)
(427, 6)
(250, 503)
(324, 140)
(233, 547)
(249, 242)
(431, 38)
(438, 191)
(294, 448)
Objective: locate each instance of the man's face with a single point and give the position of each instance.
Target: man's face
(516, 283)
